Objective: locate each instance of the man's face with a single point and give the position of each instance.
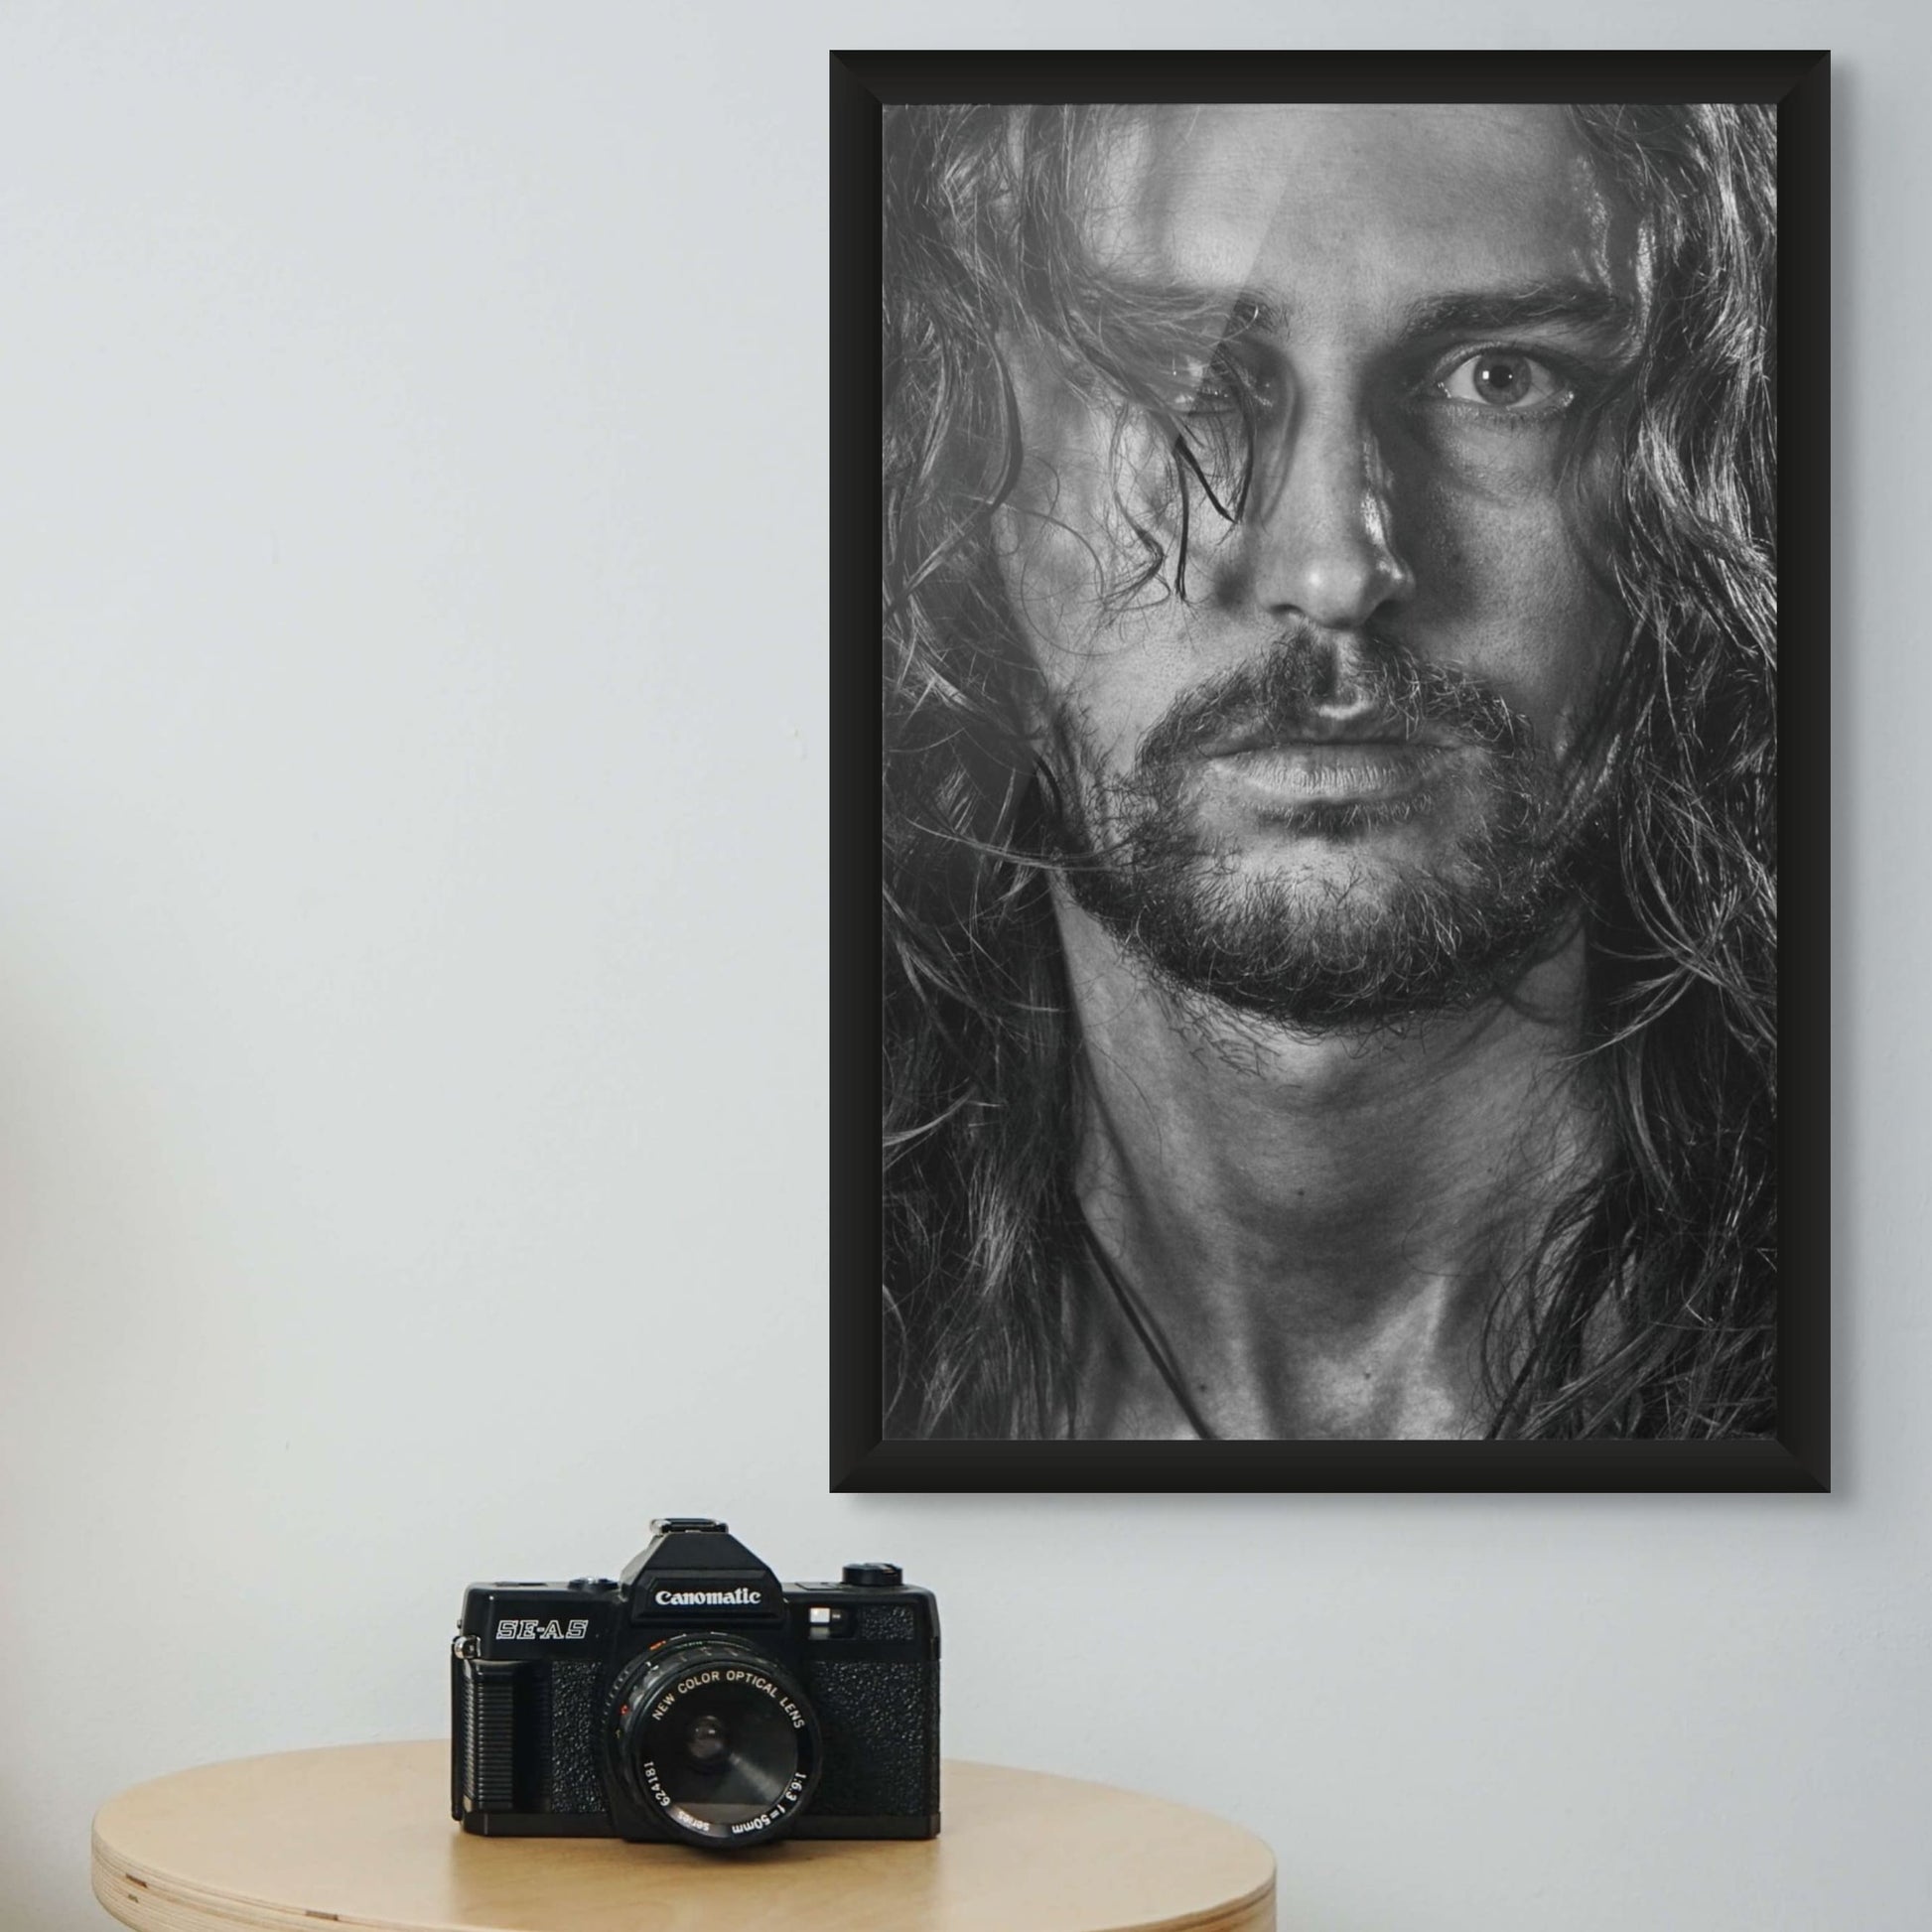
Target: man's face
(1325, 781)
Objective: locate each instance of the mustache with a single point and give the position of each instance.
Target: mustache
(1308, 678)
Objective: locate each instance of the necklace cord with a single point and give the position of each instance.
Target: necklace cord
(1150, 1338)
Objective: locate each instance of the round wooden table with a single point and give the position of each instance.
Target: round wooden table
(360, 1837)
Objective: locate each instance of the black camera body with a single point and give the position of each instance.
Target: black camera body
(697, 1700)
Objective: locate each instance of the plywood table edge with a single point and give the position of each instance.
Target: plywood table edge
(157, 1902)
(152, 1901)
(160, 1904)
(1255, 1913)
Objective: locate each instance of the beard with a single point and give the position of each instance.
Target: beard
(1361, 939)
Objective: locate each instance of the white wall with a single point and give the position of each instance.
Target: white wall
(413, 988)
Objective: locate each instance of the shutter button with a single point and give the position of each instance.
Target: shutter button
(873, 1575)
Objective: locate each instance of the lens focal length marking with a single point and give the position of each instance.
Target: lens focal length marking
(787, 1801)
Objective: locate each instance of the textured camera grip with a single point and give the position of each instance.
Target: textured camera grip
(488, 1735)
(882, 1737)
(575, 1784)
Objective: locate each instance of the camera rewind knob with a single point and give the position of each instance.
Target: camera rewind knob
(873, 1575)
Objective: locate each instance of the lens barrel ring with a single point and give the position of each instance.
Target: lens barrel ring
(715, 1739)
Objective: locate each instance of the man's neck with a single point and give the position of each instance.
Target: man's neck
(1317, 1224)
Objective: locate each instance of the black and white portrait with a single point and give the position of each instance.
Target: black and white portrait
(1329, 730)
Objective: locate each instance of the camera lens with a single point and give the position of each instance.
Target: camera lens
(707, 1741)
(717, 1740)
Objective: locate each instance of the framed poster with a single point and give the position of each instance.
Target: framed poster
(1317, 921)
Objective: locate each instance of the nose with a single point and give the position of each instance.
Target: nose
(1322, 545)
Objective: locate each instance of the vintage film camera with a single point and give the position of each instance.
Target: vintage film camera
(696, 1698)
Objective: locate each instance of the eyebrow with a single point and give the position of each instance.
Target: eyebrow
(1570, 302)
(1477, 311)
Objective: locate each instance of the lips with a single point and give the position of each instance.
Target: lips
(1315, 735)
(1342, 768)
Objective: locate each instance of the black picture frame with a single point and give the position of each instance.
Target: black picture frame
(1798, 1458)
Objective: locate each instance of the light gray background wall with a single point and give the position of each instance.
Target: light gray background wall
(413, 1062)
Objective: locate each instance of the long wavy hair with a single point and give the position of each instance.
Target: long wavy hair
(1648, 1306)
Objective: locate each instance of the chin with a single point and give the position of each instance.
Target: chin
(1343, 858)
(1350, 941)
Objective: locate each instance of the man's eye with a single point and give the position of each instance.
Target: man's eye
(1224, 384)
(1507, 381)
